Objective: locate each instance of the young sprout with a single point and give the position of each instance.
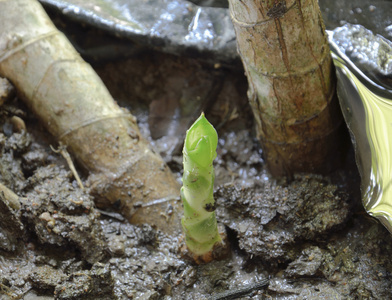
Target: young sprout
(199, 221)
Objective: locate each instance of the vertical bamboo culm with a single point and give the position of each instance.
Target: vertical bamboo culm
(287, 61)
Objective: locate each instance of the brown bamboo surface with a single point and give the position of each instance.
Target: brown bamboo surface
(75, 106)
(286, 56)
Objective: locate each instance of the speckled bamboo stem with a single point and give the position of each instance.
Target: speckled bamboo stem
(286, 57)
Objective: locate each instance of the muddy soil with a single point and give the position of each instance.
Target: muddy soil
(303, 238)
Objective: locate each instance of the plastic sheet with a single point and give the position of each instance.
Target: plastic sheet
(372, 54)
(173, 26)
(366, 101)
(183, 27)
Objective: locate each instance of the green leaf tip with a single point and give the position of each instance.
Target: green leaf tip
(201, 141)
(199, 222)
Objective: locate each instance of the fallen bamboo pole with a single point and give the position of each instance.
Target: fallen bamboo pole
(76, 108)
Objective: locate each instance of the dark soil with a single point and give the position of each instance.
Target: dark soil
(307, 238)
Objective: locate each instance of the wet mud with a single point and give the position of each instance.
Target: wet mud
(303, 238)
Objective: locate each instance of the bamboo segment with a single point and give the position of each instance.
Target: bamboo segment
(286, 57)
(199, 220)
(75, 106)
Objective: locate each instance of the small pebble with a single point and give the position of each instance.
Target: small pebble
(18, 124)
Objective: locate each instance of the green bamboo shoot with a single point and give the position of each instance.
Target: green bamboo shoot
(199, 221)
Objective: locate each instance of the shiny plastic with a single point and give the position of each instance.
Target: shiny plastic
(173, 26)
(366, 102)
(202, 27)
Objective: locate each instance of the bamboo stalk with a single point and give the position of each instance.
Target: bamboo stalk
(75, 106)
(286, 57)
